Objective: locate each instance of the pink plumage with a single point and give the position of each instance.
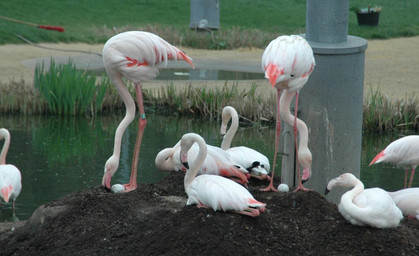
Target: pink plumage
(214, 191)
(403, 152)
(217, 162)
(288, 62)
(10, 176)
(136, 55)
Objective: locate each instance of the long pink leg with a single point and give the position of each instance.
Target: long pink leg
(411, 177)
(406, 172)
(270, 187)
(132, 185)
(297, 164)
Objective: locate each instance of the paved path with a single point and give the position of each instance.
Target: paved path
(390, 65)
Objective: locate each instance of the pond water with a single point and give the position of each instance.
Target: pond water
(58, 155)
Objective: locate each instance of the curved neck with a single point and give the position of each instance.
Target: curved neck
(199, 160)
(229, 113)
(6, 145)
(130, 111)
(284, 103)
(347, 198)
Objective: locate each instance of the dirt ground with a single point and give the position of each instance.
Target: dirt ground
(390, 65)
(153, 220)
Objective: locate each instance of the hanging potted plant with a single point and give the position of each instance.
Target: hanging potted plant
(367, 16)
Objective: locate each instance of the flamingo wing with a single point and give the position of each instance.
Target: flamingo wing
(10, 182)
(246, 157)
(220, 194)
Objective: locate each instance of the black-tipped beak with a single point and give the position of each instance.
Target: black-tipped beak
(107, 189)
(185, 164)
(304, 181)
(222, 135)
(326, 191)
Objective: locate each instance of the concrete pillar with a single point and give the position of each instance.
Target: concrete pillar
(331, 102)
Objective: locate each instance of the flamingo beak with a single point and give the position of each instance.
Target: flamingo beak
(106, 181)
(306, 174)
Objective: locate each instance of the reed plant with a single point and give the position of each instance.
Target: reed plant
(207, 102)
(382, 114)
(69, 91)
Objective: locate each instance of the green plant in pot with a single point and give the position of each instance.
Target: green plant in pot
(367, 16)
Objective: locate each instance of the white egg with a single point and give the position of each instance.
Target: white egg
(283, 187)
(117, 188)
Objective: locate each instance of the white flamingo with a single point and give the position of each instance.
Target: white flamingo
(408, 201)
(10, 176)
(372, 207)
(287, 61)
(217, 162)
(255, 162)
(403, 152)
(213, 191)
(137, 56)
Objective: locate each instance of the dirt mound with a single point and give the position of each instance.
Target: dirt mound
(153, 220)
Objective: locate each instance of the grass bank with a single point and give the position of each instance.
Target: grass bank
(46, 97)
(243, 23)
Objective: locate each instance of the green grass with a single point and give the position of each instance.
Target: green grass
(69, 91)
(243, 22)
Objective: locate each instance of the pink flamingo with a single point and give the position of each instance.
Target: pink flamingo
(407, 200)
(137, 56)
(255, 162)
(10, 177)
(365, 207)
(213, 191)
(403, 152)
(287, 61)
(217, 162)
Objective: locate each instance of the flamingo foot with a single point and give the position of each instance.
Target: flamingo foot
(130, 187)
(270, 187)
(302, 188)
(252, 212)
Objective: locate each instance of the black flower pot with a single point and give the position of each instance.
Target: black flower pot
(368, 19)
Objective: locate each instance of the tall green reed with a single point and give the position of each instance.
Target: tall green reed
(69, 91)
(382, 114)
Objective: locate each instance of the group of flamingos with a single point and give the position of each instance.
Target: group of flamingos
(223, 172)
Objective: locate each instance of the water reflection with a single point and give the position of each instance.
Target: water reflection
(58, 156)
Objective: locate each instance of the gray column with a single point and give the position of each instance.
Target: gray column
(332, 100)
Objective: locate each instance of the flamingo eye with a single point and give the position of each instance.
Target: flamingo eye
(292, 75)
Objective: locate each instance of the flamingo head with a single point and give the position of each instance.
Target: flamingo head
(305, 160)
(110, 168)
(225, 118)
(5, 192)
(164, 160)
(344, 180)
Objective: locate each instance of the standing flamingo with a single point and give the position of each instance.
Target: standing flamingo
(255, 162)
(407, 200)
(217, 162)
(136, 55)
(213, 191)
(287, 61)
(373, 206)
(403, 152)
(10, 177)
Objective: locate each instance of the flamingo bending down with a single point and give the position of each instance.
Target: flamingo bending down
(217, 162)
(213, 191)
(403, 152)
(255, 162)
(10, 177)
(407, 200)
(287, 61)
(303, 157)
(373, 206)
(136, 55)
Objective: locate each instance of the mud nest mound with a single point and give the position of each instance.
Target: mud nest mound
(154, 220)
